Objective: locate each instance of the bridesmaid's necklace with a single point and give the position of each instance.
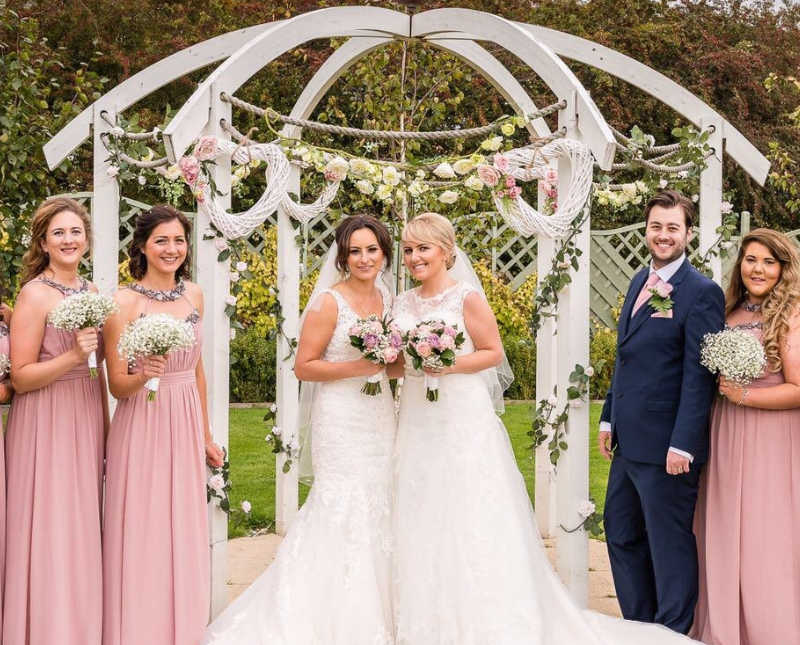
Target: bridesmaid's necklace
(64, 289)
(161, 295)
(751, 307)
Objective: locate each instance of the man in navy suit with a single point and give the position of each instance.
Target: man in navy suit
(655, 420)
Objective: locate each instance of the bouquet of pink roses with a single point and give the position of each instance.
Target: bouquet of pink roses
(433, 344)
(381, 342)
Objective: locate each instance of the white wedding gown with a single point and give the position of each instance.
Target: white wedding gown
(330, 582)
(469, 566)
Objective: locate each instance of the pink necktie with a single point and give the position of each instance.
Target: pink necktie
(644, 294)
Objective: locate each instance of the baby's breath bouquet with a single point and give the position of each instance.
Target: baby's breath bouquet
(80, 311)
(5, 366)
(735, 354)
(154, 335)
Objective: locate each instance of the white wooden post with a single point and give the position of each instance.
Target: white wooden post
(212, 276)
(286, 492)
(546, 353)
(105, 214)
(711, 196)
(573, 348)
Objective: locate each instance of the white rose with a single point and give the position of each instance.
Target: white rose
(241, 266)
(474, 183)
(172, 172)
(464, 166)
(230, 300)
(233, 276)
(726, 207)
(235, 180)
(444, 171)
(589, 371)
(449, 197)
(220, 244)
(365, 187)
(273, 408)
(336, 169)
(420, 174)
(553, 400)
(663, 183)
(112, 171)
(216, 483)
(142, 180)
(629, 190)
(384, 192)
(276, 431)
(391, 176)
(360, 166)
(695, 198)
(246, 507)
(492, 143)
(586, 508)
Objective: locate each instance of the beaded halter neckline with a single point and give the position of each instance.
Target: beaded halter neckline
(170, 295)
(67, 291)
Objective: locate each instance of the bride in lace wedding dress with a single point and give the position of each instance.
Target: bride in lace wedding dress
(330, 581)
(469, 567)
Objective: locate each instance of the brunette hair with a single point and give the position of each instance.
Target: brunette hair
(671, 199)
(781, 302)
(436, 229)
(349, 225)
(35, 259)
(145, 223)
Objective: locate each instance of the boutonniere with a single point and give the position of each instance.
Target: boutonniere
(660, 299)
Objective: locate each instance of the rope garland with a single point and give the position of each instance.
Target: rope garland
(396, 135)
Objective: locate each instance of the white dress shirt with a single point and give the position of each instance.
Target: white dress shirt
(664, 273)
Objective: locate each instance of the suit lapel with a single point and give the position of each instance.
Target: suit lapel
(645, 311)
(625, 315)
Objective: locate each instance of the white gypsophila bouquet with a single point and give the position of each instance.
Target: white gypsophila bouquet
(5, 366)
(735, 354)
(154, 335)
(80, 311)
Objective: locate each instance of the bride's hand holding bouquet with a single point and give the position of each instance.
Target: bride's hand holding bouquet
(432, 345)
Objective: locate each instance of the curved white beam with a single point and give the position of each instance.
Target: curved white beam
(145, 82)
(540, 58)
(657, 85)
(268, 45)
(472, 53)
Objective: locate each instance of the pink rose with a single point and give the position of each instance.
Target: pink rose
(447, 342)
(190, 169)
(450, 331)
(488, 175)
(510, 182)
(423, 349)
(514, 192)
(663, 289)
(433, 341)
(370, 341)
(500, 194)
(500, 162)
(396, 339)
(390, 355)
(354, 331)
(206, 148)
(551, 176)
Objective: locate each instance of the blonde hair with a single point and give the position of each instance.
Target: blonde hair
(781, 302)
(35, 260)
(433, 228)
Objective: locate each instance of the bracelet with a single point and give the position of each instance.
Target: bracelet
(745, 392)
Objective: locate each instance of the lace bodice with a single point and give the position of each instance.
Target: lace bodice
(339, 348)
(410, 309)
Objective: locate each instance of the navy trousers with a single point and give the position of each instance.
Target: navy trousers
(648, 522)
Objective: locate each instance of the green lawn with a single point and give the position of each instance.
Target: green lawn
(253, 464)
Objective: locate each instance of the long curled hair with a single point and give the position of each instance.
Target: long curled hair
(781, 302)
(35, 259)
(145, 223)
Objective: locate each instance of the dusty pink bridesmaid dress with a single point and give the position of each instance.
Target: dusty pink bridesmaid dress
(53, 589)
(155, 539)
(748, 526)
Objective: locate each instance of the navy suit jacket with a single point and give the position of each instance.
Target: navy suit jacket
(660, 394)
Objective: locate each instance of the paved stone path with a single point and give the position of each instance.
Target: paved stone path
(248, 557)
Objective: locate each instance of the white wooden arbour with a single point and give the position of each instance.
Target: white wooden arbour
(246, 51)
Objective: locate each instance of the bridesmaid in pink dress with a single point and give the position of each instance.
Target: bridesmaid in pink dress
(54, 448)
(155, 540)
(748, 510)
